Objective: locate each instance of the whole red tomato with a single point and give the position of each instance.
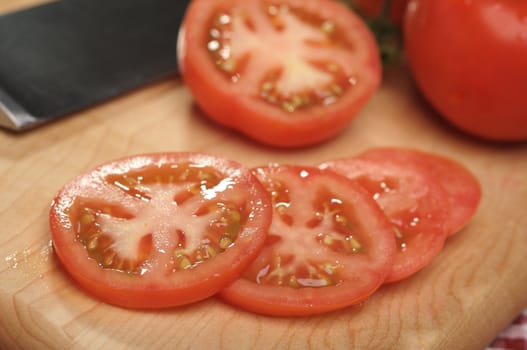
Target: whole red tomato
(469, 59)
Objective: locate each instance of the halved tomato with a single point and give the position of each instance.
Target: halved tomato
(285, 72)
(415, 204)
(329, 246)
(462, 187)
(160, 230)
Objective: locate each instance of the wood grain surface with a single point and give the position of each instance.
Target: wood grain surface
(471, 291)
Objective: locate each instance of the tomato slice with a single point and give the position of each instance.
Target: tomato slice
(284, 72)
(329, 246)
(160, 230)
(415, 204)
(462, 187)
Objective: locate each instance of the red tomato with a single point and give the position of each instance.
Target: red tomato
(329, 246)
(469, 60)
(462, 187)
(414, 203)
(287, 73)
(373, 9)
(159, 230)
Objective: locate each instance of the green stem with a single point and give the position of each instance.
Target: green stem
(387, 34)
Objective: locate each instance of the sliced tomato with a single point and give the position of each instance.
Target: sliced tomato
(329, 246)
(416, 205)
(462, 187)
(159, 230)
(285, 72)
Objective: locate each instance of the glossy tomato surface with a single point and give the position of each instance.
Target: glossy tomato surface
(416, 205)
(469, 60)
(284, 72)
(159, 230)
(460, 184)
(329, 246)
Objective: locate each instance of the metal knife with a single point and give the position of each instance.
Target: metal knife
(63, 56)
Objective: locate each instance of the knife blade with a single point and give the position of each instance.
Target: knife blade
(64, 56)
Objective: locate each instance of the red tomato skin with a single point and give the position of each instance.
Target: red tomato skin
(271, 301)
(244, 111)
(365, 275)
(141, 291)
(460, 184)
(468, 59)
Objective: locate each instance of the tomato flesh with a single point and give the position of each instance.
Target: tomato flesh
(233, 42)
(328, 247)
(416, 206)
(460, 184)
(287, 73)
(159, 230)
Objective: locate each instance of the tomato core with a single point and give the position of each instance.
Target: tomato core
(99, 226)
(328, 226)
(234, 45)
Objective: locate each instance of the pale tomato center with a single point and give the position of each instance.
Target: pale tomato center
(294, 59)
(318, 231)
(179, 214)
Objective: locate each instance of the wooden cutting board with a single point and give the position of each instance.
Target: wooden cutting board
(470, 292)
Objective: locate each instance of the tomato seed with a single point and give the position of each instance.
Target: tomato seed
(92, 243)
(228, 65)
(272, 10)
(328, 27)
(233, 228)
(267, 86)
(211, 251)
(119, 264)
(179, 253)
(337, 89)
(225, 242)
(328, 268)
(87, 218)
(108, 257)
(354, 244)
(398, 233)
(332, 67)
(293, 282)
(185, 264)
